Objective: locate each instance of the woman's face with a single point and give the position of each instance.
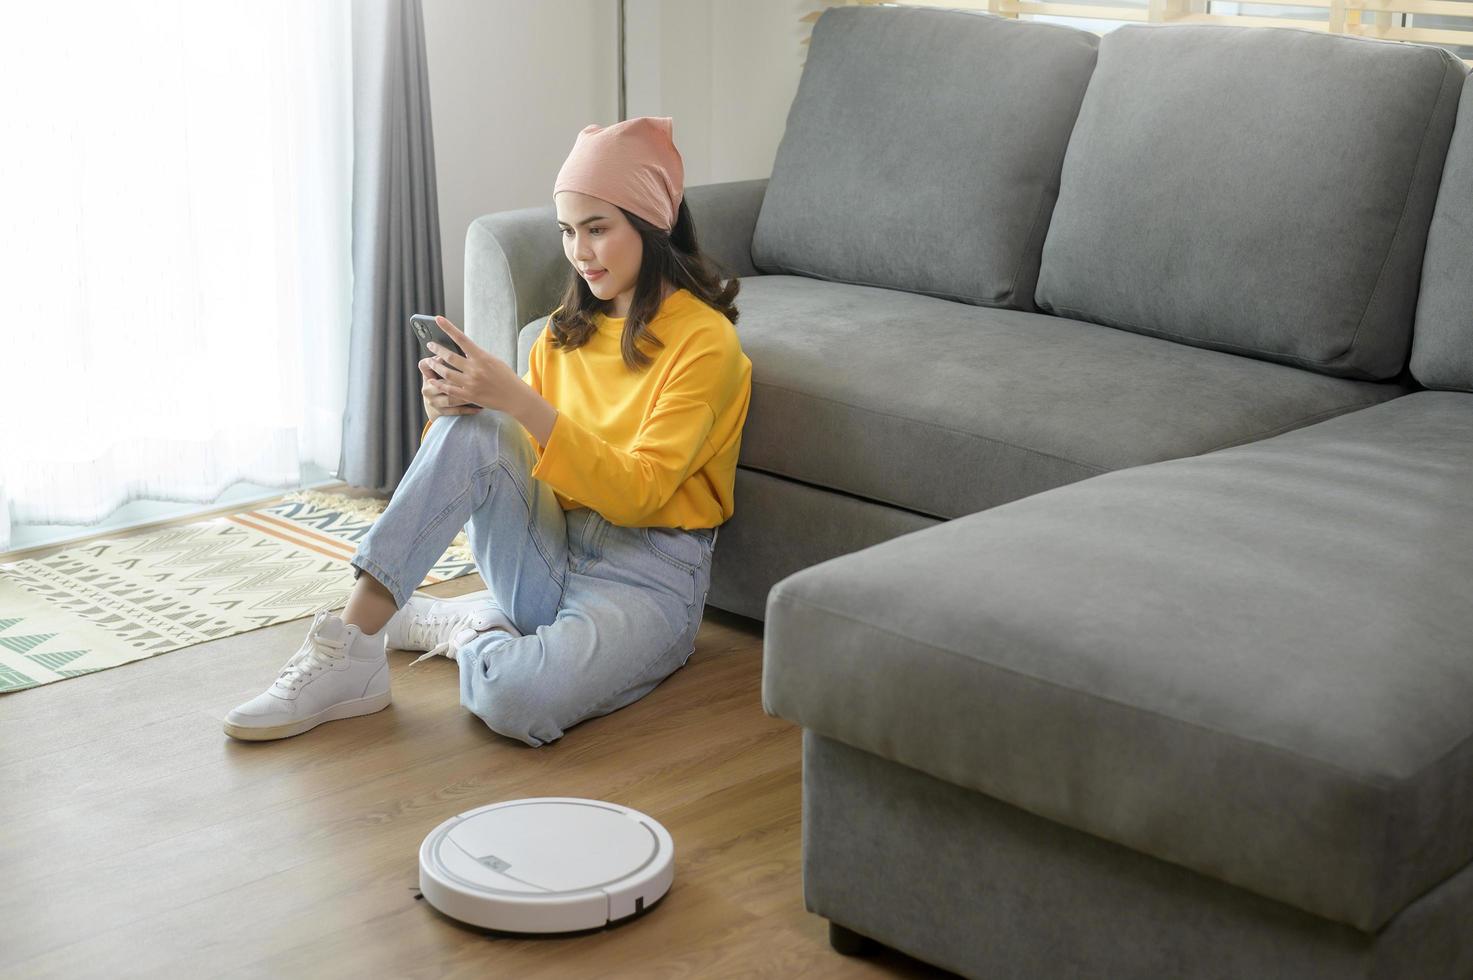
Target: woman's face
(597, 238)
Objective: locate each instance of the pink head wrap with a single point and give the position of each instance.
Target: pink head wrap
(633, 164)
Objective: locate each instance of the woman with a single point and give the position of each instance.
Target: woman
(591, 487)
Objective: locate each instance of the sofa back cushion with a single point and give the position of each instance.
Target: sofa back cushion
(922, 152)
(1258, 190)
(1442, 342)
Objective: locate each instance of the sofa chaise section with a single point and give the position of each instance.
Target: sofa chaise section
(1253, 663)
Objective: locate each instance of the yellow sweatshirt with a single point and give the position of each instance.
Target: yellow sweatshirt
(653, 448)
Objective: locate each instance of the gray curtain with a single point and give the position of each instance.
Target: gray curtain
(396, 242)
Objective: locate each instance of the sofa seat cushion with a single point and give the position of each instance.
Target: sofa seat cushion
(1262, 192)
(1254, 663)
(946, 409)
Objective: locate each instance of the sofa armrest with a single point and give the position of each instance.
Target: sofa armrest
(514, 272)
(725, 217)
(515, 269)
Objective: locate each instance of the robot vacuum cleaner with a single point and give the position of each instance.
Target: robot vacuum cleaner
(547, 864)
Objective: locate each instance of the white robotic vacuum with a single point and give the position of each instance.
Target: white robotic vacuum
(547, 864)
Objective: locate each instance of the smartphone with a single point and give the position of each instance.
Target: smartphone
(428, 331)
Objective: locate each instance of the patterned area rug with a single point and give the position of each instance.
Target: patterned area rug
(115, 600)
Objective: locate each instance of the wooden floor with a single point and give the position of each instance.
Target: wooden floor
(140, 840)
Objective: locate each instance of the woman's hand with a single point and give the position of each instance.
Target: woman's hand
(480, 378)
(436, 403)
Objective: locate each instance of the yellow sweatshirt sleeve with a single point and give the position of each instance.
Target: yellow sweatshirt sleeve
(626, 485)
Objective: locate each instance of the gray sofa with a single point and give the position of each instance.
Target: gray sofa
(1107, 489)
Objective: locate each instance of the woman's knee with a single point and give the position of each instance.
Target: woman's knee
(487, 422)
(512, 706)
(496, 431)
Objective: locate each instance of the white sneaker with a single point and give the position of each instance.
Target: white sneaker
(441, 626)
(336, 673)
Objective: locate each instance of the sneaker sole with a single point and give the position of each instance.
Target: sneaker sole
(335, 712)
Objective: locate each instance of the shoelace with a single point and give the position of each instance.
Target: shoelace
(317, 653)
(449, 648)
(443, 647)
(423, 630)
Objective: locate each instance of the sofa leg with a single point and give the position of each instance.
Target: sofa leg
(849, 942)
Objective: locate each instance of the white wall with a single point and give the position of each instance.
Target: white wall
(513, 81)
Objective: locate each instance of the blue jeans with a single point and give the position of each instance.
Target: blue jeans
(608, 611)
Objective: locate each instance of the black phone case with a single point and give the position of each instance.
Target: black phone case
(428, 331)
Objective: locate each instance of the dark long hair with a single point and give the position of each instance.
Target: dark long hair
(672, 257)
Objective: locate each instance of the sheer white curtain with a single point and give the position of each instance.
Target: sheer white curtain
(175, 266)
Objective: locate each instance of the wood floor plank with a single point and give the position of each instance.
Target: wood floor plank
(191, 854)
